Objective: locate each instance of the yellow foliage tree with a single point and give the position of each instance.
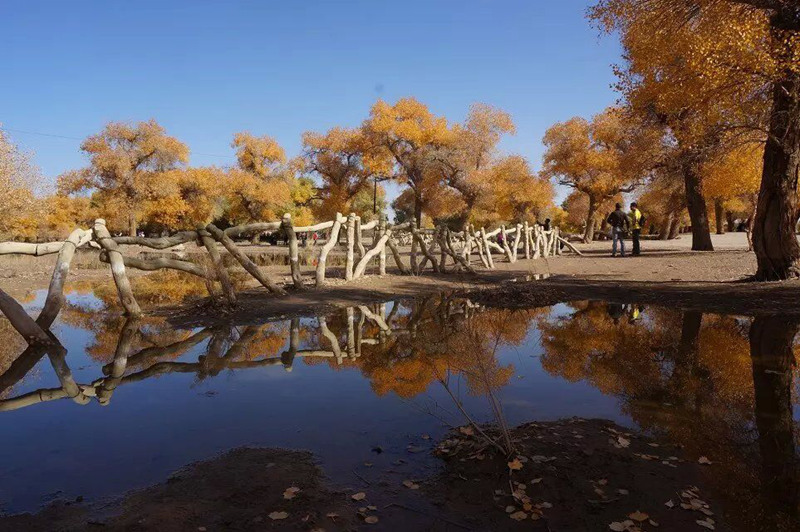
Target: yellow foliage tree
(407, 135)
(122, 160)
(709, 67)
(20, 179)
(610, 155)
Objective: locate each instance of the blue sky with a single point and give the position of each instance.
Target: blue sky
(207, 69)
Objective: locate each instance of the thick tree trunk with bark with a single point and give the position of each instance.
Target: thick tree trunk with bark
(675, 228)
(774, 239)
(698, 211)
(588, 234)
(730, 221)
(719, 216)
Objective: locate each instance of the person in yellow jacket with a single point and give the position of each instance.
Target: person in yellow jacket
(637, 221)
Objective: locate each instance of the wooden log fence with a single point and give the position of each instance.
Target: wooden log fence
(455, 250)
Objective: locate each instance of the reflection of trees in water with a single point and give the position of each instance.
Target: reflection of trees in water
(698, 380)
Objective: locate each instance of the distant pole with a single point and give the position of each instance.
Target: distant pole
(375, 196)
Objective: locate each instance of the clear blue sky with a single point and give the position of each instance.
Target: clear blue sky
(207, 69)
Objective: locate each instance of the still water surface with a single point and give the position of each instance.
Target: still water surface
(154, 398)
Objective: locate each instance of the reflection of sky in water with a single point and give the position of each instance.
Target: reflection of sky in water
(157, 425)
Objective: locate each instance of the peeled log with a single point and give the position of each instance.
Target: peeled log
(55, 293)
(103, 238)
(244, 260)
(294, 252)
(323, 255)
(216, 261)
(23, 323)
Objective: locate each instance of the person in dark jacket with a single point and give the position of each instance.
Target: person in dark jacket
(620, 223)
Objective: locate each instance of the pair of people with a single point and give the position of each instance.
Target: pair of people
(621, 223)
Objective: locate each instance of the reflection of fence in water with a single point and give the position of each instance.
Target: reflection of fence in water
(220, 353)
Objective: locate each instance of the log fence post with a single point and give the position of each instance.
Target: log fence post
(294, 252)
(351, 230)
(220, 272)
(323, 255)
(102, 237)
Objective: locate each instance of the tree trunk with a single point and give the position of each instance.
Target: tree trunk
(774, 240)
(588, 234)
(418, 211)
(731, 223)
(698, 211)
(666, 225)
(771, 342)
(132, 223)
(675, 228)
(719, 216)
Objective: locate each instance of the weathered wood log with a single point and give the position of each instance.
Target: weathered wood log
(425, 251)
(176, 348)
(25, 248)
(55, 293)
(24, 324)
(102, 237)
(312, 228)
(527, 243)
(163, 242)
(506, 248)
(569, 245)
(244, 260)
(487, 248)
(220, 272)
(323, 255)
(359, 244)
(368, 256)
(159, 263)
(260, 227)
(294, 251)
(381, 230)
(398, 259)
(351, 332)
(351, 234)
(517, 238)
(448, 242)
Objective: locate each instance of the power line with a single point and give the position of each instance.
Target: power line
(76, 138)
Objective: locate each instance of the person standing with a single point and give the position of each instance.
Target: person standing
(636, 228)
(619, 223)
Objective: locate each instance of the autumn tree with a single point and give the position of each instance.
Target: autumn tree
(20, 179)
(184, 197)
(408, 135)
(610, 155)
(731, 180)
(122, 160)
(709, 67)
(260, 187)
(345, 163)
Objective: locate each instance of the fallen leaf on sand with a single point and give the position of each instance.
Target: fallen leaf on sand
(515, 465)
(410, 484)
(519, 516)
(276, 516)
(332, 515)
(290, 492)
(616, 526)
(371, 507)
(622, 491)
(623, 442)
(706, 523)
(510, 509)
(652, 523)
(703, 460)
(638, 516)
(669, 504)
(360, 496)
(372, 519)
(536, 481)
(467, 430)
